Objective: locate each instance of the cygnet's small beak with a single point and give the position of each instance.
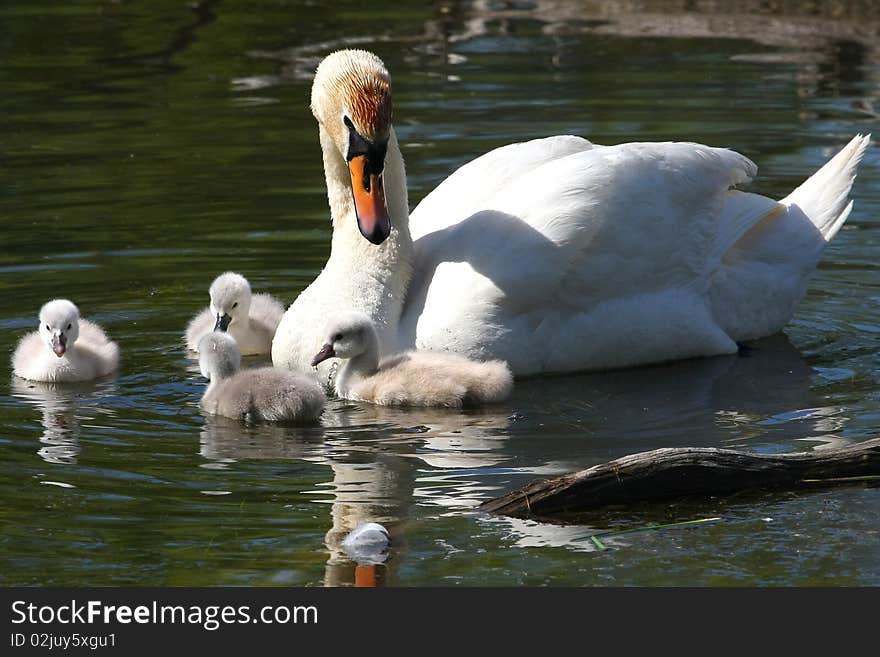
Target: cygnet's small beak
(59, 344)
(222, 322)
(325, 353)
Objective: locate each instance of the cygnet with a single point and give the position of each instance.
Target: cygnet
(261, 393)
(65, 348)
(411, 378)
(250, 318)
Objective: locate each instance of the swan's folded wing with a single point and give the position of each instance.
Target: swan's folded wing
(468, 189)
(601, 225)
(741, 212)
(604, 221)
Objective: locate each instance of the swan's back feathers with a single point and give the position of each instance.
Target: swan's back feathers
(468, 188)
(596, 226)
(654, 205)
(419, 378)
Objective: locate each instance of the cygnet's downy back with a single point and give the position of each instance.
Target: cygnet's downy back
(412, 378)
(256, 394)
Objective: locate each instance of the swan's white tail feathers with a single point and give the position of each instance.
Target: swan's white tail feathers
(841, 219)
(824, 196)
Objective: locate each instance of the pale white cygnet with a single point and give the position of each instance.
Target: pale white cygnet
(64, 348)
(250, 318)
(261, 393)
(367, 544)
(411, 378)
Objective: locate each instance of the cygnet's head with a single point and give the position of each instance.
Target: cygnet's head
(346, 337)
(219, 356)
(351, 99)
(230, 299)
(59, 325)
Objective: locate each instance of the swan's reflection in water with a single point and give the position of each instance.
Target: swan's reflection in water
(385, 461)
(59, 406)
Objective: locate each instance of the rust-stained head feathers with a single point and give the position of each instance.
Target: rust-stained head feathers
(353, 84)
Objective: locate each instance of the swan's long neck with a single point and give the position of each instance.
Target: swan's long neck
(381, 273)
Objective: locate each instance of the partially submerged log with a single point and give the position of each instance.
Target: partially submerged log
(675, 473)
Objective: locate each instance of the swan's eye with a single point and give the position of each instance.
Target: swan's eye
(347, 122)
(48, 328)
(235, 305)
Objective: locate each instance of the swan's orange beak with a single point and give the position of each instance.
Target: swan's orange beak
(369, 200)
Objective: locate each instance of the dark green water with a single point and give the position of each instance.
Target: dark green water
(147, 147)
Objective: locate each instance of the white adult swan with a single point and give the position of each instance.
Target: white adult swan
(556, 254)
(65, 347)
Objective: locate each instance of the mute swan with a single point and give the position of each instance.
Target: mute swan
(262, 393)
(555, 255)
(414, 378)
(65, 348)
(251, 319)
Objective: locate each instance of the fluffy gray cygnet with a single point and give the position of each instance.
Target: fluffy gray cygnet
(255, 394)
(411, 378)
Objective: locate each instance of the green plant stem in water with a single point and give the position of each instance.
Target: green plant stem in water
(599, 544)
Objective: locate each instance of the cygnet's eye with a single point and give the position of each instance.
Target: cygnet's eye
(337, 337)
(48, 328)
(235, 305)
(69, 326)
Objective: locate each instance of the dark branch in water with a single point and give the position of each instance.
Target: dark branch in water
(688, 472)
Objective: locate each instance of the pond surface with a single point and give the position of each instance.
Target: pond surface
(148, 147)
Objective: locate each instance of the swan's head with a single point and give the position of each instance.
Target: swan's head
(59, 325)
(347, 337)
(351, 99)
(219, 356)
(230, 299)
